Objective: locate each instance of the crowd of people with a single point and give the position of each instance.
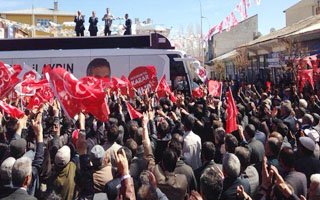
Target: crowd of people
(174, 151)
(93, 24)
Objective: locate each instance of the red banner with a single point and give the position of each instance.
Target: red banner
(232, 111)
(304, 76)
(143, 78)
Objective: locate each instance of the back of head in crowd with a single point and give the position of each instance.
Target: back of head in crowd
(22, 172)
(231, 165)
(211, 184)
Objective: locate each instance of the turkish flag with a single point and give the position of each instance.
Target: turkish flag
(304, 76)
(220, 27)
(130, 87)
(94, 83)
(132, 112)
(232, 111)
(120, 84)
(163, 89)
(211, 32)
(75, 96)
(215, 88)
(8, 78)
(43, 94)
(67, 90)
(11, 110)
(28, 87)
(234, 21)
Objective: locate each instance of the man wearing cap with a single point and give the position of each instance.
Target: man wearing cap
(63, 178)
(93, 178)
(305, 160)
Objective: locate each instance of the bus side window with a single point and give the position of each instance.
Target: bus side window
(178, 75)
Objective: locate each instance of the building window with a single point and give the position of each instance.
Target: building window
(43, 22)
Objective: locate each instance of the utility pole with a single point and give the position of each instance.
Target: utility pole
(201, 53)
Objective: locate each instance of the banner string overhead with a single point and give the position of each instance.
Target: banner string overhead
(230, 21)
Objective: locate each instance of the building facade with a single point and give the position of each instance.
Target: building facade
(302, 10)
(39, 17)
(227, 41)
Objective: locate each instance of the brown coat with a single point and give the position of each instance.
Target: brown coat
(101, 177)
(174, 186)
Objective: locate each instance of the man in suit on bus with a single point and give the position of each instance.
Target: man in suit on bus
(107, 18)
(79, 20)
(127, 25)
(93, 21)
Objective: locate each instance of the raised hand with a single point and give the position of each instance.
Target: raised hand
(242, 194)
(37, 127)
(122, 163)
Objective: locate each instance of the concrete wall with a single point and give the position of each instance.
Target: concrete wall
(243, 33)
(300, 11)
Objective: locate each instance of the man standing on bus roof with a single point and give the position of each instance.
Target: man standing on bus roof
(127, 25)
(107, 18)
(79, 20)
(99, 68)
(93, 21)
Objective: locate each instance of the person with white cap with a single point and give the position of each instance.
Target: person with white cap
(305, 160)
(65, 171)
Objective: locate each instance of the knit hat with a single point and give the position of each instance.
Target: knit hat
(97, 154)
(62, 157)
(308, 143)
(18, 147)
(303, 103)
(313, 134)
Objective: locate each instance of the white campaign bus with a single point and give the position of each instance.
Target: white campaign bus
(124, 54)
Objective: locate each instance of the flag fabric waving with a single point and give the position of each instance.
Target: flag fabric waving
(8, 78)
(215, 88)
(163, 89)
(132, 112)
(11, 110)
(197, 92)
(232, 111)
(74, 96)
(304, 76)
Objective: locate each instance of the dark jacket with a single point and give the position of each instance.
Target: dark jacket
(79, 23)
(308, 165)
(257, 151)
(93, 21)
(230, 188)
(20, 194)
(36, 167)
(183, 168)
(298, 181)
(128, 27)
(6, 190)
(198, 172)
